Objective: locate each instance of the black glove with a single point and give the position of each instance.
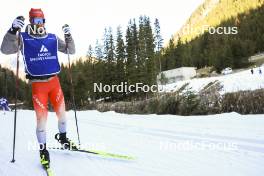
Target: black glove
(17, 24)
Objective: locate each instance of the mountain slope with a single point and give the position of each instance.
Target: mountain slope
(212, 13)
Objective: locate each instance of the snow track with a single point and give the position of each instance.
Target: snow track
(156, 142)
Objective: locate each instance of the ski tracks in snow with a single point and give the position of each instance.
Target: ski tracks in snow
(151, 140)
(245, 158)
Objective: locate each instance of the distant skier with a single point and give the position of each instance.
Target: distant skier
(4, 104)
(40, 55)
(252, 71)
(260, 71)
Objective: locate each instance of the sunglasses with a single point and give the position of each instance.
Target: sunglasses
(38, 20)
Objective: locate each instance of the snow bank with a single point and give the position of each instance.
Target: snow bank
(240, 81)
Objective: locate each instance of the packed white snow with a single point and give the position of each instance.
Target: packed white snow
(235, 82)
(166, 145)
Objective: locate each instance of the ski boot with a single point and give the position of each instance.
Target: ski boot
(44, 157)
(65, 142)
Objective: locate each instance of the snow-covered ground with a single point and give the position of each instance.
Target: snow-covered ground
(243, 80)
(220, 145)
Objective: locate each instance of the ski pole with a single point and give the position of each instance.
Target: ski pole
(17, 84)
(72, 88)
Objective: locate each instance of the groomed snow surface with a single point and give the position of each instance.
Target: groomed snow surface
(216, 145)
(234, 82)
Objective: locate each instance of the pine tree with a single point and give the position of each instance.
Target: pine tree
(157, 36)
(99, 51)
(142, 53)
(158, 43)
(120, 57)
(130, 54)
(178, 51)
(88, 69)
(150, 46)
(111, 49)
(111, 62)
(89, 53)
(169, 58)
(99, 67)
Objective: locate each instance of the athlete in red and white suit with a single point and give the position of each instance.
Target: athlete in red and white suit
(44, 88)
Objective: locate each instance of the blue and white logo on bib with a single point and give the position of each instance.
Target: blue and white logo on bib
(40, 55)
(43, 49)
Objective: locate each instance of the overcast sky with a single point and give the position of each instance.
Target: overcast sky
(88, 18)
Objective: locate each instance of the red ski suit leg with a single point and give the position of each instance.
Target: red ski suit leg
(41, 93)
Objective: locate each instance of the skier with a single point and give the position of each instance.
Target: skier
(4, 105)
(252, 71)
(39, 49)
